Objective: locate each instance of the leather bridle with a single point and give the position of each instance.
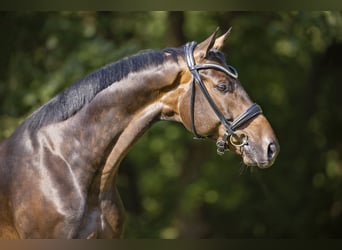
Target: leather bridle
(231, 127)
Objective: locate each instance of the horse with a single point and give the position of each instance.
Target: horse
(58, 169)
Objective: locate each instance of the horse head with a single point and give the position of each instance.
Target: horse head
(212, 103)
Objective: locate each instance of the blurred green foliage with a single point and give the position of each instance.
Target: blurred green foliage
(176, 187)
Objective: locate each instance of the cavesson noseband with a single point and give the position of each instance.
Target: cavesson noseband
(231, 127)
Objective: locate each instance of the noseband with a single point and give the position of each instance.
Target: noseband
(231, 127)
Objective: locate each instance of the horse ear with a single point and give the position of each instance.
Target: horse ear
(203, 48)
(219, 42)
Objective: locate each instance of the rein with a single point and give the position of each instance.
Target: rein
(230, 127)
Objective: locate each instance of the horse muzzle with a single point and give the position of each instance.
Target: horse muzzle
(262, 155)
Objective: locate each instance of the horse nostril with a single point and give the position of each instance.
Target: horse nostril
(271, 151)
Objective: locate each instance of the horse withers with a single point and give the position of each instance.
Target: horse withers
(58, 169)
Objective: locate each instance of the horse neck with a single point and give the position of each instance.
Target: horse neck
(103, 131)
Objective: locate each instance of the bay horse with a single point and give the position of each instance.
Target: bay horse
(58, 168)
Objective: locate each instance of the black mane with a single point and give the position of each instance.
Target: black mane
(71, 100)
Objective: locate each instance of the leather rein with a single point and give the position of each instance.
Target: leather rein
(231, 127)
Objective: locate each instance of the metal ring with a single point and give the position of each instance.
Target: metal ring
(242, 140)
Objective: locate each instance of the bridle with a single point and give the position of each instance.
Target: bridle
(231, 127)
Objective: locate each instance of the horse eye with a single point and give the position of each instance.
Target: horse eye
(224, 87)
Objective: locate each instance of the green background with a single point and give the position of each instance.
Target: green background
(173, 186)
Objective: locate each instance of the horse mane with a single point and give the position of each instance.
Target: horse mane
(71, 100)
